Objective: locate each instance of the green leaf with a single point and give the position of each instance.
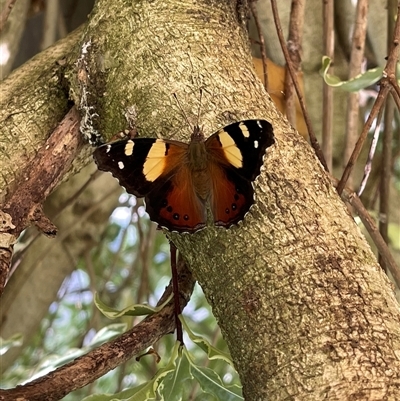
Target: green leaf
(121, 396)
(361, 81)
(211, 383)
(212, 352)
(173, 385)
(13, 341)
(132, 310)
(148, 392)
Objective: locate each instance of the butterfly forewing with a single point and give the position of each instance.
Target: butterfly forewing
(250, 139)
(140, 163)
(237, 153)
(124, 160)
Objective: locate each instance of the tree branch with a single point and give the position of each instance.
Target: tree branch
(24, 203)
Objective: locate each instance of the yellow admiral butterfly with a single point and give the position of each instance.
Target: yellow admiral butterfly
(178, 179)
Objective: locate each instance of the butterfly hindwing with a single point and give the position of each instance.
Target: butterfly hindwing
(175, 205)
(231, 197)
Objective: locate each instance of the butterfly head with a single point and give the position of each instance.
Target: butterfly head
(197, 135)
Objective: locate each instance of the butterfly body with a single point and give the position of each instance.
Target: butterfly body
(198, 162)
(178, 180)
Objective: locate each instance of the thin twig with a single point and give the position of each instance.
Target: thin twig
(350, 197)
(143, 290)
(383, 92)
(327, 96)
(356, 60)
(371, 153)
(313, 139)
(392, 78)
(389, 79)
(294, 49)
(385, 175)
(386, 167)
(395, 97)
(175, 287)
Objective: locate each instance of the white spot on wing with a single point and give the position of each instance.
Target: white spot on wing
(121, 165)
(129, 148)
(259, 124)
(256, 144)
(244, 129)
(231, 151)
(108, 148)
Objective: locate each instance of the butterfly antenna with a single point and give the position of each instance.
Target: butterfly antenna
(199, 110)
(183, 111)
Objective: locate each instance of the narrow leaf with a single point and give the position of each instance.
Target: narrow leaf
(173, 385)
(107, 333)
(361, 81)
(211, 383)
(212, 352)
(121, 396)
(132, 310)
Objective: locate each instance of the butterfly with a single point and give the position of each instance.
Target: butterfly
(178, 180)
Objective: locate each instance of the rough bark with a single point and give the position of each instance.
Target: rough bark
(33, 100)
(301, 301)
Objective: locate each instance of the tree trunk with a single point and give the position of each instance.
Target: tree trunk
(302, 303)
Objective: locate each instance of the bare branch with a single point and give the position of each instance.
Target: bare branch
(46, 171)
(294, 48)
(387, 81)
(327, 102)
